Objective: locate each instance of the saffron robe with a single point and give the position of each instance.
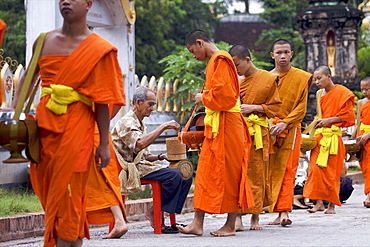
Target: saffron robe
(260, 89)
(221, 180)
(365, 160)
(2, 32)
(66, 147)
(103, 189)
(323, 182)
(293, 89)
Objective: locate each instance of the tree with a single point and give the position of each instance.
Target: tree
(14, 43)
(163, 24)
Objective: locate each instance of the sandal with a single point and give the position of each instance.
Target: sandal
(169, 230)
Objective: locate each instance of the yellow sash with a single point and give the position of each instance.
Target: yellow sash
(328, 143)
(365, 128)
(212, 117)
(254, 126)
(61, 97)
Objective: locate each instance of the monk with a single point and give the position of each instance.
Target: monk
(260, 100)
(363, 138)
(221, 184)
(293, 88)
(104, 203)
(327, 158)
(73, 62)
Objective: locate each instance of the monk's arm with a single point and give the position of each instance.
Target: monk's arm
(273, 103)
(148, 139)
(221, 94)
(297, 114)
(102, 155)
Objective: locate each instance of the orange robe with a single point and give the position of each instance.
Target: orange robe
(365, 160)
(103, 189)
(2, 32)
(66, 150)
(221, 180)
(260, 89)
(323, 182)
(293, 89)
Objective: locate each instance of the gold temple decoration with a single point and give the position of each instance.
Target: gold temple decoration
(129, 9)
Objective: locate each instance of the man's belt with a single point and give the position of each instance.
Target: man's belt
(61, 96)
(328, 143)
(254, 126)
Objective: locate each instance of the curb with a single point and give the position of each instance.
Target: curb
(33, 224)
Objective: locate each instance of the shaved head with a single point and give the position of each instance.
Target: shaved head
(366, 79)
(239, 51)
(281, 42)
(192, 37)
(324, 69)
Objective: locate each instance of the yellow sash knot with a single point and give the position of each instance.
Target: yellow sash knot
(212, 118)
(328, 143)
(254, 126)
(61, 97)
(365, 128)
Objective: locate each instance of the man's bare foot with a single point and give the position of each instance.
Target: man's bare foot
(367, 201)
(239, 223)
(149, 215)
(190, 229)
(224, 231)
(255, 218)
(275, 221)
(119, 229)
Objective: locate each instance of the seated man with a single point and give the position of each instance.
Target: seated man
(131, 144)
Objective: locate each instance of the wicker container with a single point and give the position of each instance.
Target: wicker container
(175, 149)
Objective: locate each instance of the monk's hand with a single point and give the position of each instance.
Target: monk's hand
(278, 128)
(102, 156)
(362, 139)
(323, 122)
(172, 125)
(198, 98)
(245, 109)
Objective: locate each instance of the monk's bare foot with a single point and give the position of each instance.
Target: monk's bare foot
(239, 223)
(367, 201)
(224, 231)
(286, 222)
(275, 221)
(191, 229)
(316, 208)
(149, 215)
(119, 229)
(331, 209)
(255, 218)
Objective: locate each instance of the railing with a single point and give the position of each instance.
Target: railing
(10, 76)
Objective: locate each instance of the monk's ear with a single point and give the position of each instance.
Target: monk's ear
(292, 53)
(272, 55)
(248, 59)
(199, 42)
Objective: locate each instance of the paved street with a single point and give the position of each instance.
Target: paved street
(349, 227)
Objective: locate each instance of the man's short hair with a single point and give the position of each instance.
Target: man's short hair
(241, 51)
(366, 79)
(192, 37)
(141, 94)
(281, 42)
(324, 69)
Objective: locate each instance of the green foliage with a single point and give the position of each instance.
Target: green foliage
(18, 201)
(281, 15)
(364, 61)
(162, 25)
(14, 15)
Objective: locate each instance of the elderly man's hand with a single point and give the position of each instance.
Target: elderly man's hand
(278, 128)
(172, 125)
